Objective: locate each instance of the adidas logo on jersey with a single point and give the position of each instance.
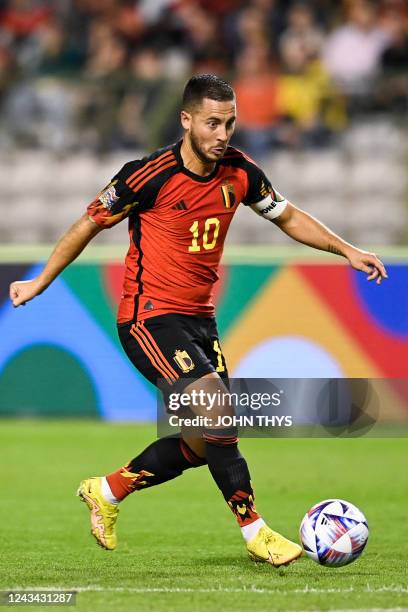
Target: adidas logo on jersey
(180, 205)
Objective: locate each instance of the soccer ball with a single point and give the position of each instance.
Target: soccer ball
(334, 532)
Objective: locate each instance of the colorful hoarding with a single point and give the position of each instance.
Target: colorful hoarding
(60, 355)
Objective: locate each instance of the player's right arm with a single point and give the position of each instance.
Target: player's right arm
(66, 250)
(123, 196)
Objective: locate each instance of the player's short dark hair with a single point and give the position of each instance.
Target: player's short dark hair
(203, 86)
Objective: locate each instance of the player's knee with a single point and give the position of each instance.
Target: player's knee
(190, 454)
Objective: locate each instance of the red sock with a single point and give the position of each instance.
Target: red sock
(163, 460)
(242, 505)
(122, 482)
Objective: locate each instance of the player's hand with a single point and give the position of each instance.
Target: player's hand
(22, 292)
(368, 263)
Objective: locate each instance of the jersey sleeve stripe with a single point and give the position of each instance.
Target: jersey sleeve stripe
(147, 177)
(238, 153)
(153, 358)
(153, 342)
(149, 166)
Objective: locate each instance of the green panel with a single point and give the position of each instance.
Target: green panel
(242, 286)
(50, 382)
(86, 281)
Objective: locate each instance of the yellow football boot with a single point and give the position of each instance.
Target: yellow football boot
(103, 514)
(270, 547)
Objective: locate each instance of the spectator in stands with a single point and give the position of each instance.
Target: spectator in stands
(393, 87)
(246, 28)
(7, 75)
(395, 56)
(307, 98)
(303, 32)
(127, 21)
(52, 89)
(224, 7)
(256, 88)
(102, 42)
(149, 101)
(202, 38)
(123, 16)
(21, 18)
(152, 10)
(103, 88)
(20, 22)
(273, 14)
(56, 55)
(352, 52)
(37, 107)
(327, 12)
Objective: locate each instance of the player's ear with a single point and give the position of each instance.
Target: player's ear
(185, 118)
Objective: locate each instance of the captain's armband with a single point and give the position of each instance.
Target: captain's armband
(270, 207)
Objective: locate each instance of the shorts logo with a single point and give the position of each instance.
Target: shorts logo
(109, 197)
(184, 361)
(228, 194)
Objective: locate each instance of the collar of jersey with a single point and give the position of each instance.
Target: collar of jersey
(192, 175)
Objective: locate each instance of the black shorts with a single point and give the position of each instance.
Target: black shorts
(173, 350)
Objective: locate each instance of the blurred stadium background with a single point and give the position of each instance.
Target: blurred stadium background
(322, 88)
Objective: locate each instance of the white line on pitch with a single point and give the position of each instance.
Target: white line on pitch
(364, 610)
(253, 589)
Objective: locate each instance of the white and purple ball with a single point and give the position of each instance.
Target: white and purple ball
(334, 532)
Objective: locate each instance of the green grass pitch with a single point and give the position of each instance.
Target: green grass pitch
(179, 546)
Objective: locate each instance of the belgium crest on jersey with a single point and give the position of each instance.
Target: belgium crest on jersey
(228, 194)
(184, 361)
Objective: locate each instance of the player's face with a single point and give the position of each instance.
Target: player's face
(210, 127)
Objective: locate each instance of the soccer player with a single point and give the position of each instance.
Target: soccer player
(179, 202)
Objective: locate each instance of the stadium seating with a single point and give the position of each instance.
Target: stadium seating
(357, 187)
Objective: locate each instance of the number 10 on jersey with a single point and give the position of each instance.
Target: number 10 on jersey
(209, 237)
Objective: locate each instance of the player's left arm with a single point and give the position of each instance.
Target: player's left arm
(304, 228)
(299, 225)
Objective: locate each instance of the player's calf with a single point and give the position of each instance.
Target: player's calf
(231, 474)
(230, 471)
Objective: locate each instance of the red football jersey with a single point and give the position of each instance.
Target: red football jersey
(178, 222)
